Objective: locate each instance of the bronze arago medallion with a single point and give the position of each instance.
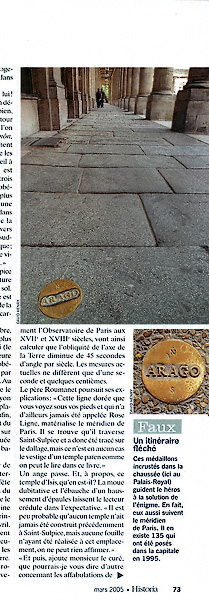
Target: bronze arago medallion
(59, 298)
(172, 370)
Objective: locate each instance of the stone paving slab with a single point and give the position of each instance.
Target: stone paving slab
(105, 229)
(102, 134)
(42, 134)
(40, 150)
(75, 133)
(144, 124)
(187, 180)
(102, 141)
(105, 148)
(50, 179)
(181, 197)
(180, 139)
(127, 141)
(80, 127)
(105, 128)
(170, 150)
(50, 141)
(119, 180)
(146, 139)
(202, 137)
(178, 221)
(158, 142)
(70, 139)
(123, 132)
(194, 162)
(143, 135)
(127, 160)
(62, 146)
(51, 158)
(109, 160)
(99, 133)
(79, 220)
(144, 285)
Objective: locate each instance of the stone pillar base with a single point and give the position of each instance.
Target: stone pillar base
(44, 115)
(191, 111)
(90, 103)
(160, 107)
(74, 110)
(63, 113)
(141, 105)
(126, 101)
(131, 104)
(77, 106)
(49, 115)
(55, 113)
(85, 103)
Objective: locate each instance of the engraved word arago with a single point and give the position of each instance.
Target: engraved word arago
(172, 370)
(59, 298)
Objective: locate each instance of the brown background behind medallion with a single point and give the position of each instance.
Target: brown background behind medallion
(144, 401)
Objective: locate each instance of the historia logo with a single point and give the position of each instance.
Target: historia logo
(172, 370)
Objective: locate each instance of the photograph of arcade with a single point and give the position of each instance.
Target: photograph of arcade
(115, 195)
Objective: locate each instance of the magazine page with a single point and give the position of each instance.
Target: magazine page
(104, 300)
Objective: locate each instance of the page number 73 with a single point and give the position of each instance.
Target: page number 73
(176, 589)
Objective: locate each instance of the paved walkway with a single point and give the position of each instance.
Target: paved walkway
(120, 205)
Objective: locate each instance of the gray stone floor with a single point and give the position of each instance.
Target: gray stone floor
(121, 207)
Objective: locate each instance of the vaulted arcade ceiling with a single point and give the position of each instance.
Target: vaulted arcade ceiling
(106, 74)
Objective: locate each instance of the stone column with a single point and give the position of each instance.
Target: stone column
(88, 87)
(52, 104)
(128, 87)
(77, 94)
(41, 88)
(160, 103)
(73, 94)
(69, 84)
(191, 111)
(124, 87)
(93, 91)
(97, 80)
(112, 88)
(115, 86)
(60, 96)
(84, 96)
(110, 92)
(121, 87)
(134, 88)
(99, 83)
(145, 88)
